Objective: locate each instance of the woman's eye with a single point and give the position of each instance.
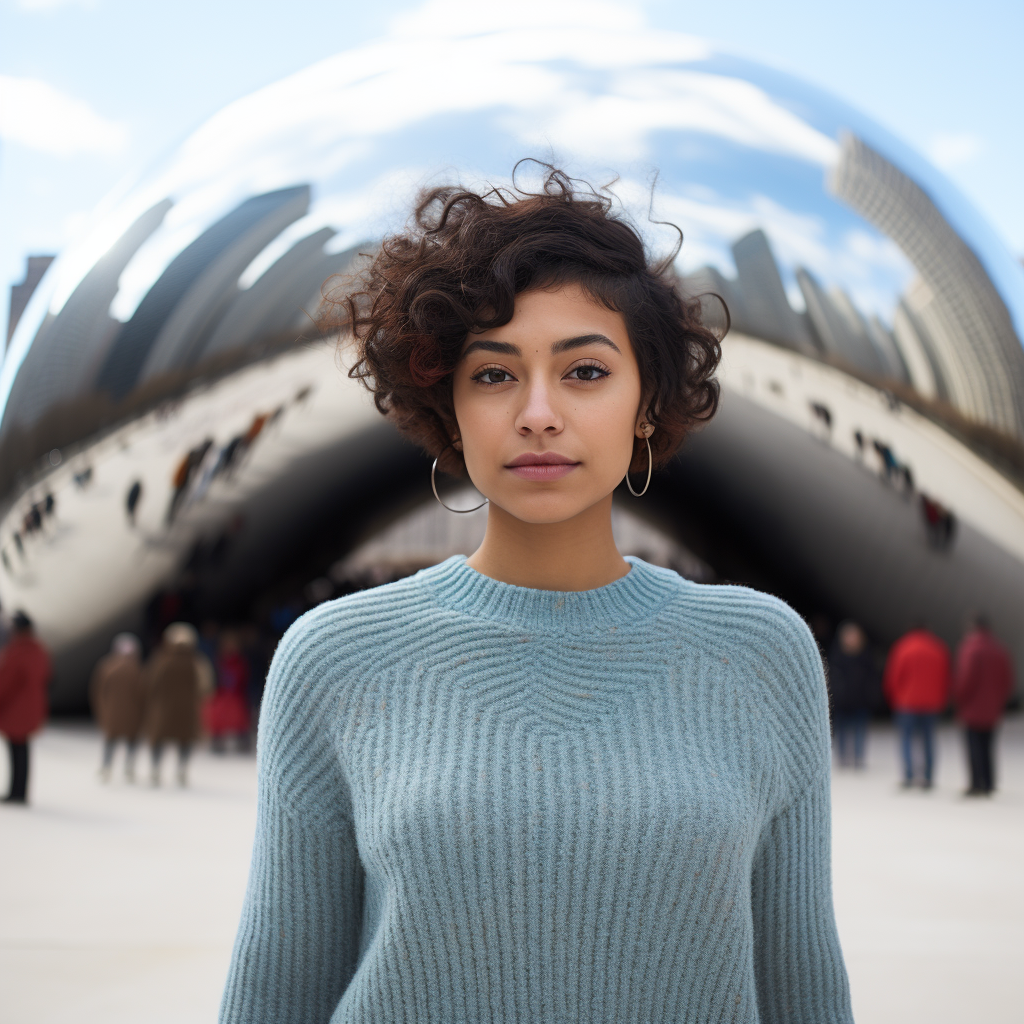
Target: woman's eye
(587, 373)
(495, 376)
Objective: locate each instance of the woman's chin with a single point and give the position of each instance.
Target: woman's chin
(544, 509)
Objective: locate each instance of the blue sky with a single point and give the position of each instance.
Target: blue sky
(115, 84)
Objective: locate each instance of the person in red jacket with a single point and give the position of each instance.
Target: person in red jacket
(24, 673)
(917, 687)
(982, 683)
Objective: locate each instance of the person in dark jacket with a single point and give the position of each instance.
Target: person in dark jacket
(854, 686)
(982, 684)
(118, 697)
(24, 674)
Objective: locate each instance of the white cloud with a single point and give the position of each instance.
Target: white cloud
(36, 115)
(953, 149)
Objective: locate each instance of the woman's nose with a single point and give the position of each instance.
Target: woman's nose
(539, 414)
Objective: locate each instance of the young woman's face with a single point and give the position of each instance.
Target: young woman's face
(548, 405)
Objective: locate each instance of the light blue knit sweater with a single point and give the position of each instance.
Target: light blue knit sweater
(480, 802)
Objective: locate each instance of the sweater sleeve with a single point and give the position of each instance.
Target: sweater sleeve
(298, 941)
(801, 978)
(798, 962)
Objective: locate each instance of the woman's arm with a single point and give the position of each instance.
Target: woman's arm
(298, 941)
(801, 978)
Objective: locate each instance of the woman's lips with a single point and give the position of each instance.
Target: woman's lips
(546, 466)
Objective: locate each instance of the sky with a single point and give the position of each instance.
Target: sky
(93, 92)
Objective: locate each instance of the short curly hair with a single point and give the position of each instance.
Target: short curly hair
(458, 268)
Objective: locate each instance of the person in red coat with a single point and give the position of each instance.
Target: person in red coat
(982, 684)
(24, 674)
(227, 711)
(916, 685)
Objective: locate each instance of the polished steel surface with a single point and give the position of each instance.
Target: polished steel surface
(835, 247)
(823, 233)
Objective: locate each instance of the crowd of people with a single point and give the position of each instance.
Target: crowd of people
(920, 680)
(193, 685)
(209, 683)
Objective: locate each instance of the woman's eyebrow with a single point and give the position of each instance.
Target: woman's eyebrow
(584, 339)
(506, 348)
(502, 347)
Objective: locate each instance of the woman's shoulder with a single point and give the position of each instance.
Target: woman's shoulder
(356, 626)
(753, 631)
(740, 615)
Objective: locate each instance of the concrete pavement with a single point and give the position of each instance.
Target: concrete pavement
(119, 903)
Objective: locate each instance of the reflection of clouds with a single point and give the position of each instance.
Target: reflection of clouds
(868, 265)
(540, 86)
(640, 102)
(953, 149)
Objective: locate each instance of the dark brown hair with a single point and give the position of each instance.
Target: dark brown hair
(458, 268)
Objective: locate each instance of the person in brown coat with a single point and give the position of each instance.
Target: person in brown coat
(174, 680)
(118, 699)
(24, 675)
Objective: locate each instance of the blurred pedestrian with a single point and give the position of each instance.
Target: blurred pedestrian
(982, 683)
(5, 626)
(917, 688)
(174, 687)
(854, 688)
(131, 501)
(118, 697)
(24, 674)
(227, 712)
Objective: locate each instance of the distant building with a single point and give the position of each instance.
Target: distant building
(766, 310)
(915, 347)
(35, 267)
(967, 321)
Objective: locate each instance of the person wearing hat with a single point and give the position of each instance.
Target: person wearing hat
(24, 674)
(118, 698)
(174, 684)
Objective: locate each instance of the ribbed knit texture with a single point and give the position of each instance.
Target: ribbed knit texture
(480, 802)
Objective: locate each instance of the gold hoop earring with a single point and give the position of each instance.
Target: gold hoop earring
(650, 466)
(433, 487)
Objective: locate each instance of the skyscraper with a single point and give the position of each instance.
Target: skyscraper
(766, 309)
(974, 339)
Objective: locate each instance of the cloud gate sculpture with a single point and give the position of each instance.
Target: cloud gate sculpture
(869, 454)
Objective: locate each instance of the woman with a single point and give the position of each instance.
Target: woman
(544, 783)
(118, 696)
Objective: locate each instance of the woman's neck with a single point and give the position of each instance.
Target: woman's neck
(577, 554)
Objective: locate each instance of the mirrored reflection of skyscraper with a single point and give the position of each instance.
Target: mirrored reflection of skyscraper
(968, 324)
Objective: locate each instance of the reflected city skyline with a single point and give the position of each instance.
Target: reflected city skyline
(876, 319)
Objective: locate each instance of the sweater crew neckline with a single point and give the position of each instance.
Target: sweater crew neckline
(641, 593)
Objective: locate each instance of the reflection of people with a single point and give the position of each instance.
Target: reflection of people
(545, 750)
(982, 684)
(853, 683)
(118, 698)
(174, 684)
(184, 474)
(917, 688)
(131, 501)
(24, 673)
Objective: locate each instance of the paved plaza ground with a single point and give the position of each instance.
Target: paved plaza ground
(119, 903)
